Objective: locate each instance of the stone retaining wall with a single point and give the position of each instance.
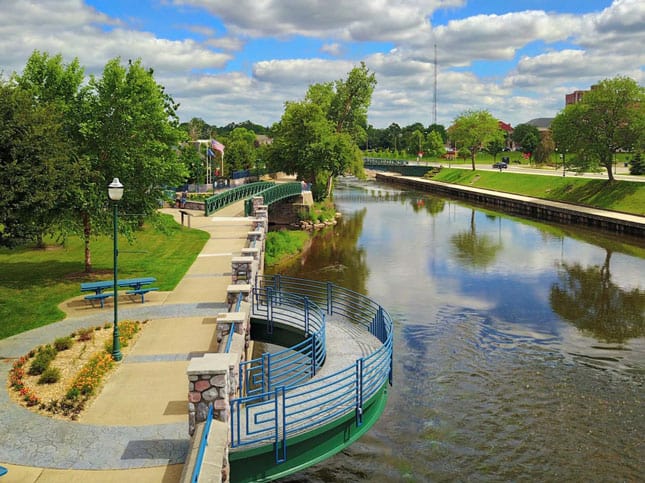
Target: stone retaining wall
(213, 378)
(530, 207)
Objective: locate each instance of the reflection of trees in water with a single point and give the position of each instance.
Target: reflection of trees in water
(420, 202)
(334, 256)
(431, 205)
(587, 298)
(475, 250)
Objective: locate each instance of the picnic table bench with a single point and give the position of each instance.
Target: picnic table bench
(138, 286)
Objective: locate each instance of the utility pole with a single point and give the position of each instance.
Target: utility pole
(434, 105)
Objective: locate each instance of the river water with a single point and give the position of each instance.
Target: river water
(519, 346)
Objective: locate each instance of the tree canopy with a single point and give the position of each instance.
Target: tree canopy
(317, 138)
(473, 130)
(611, 116)
(68, 141)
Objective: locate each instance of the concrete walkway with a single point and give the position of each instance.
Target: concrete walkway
(137, 427)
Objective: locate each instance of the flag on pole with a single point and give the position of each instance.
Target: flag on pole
(217, 146)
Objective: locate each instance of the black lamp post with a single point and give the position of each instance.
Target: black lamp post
(115, 193)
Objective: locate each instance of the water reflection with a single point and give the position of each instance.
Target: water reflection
(334, 255)
(519, 346)
(473, 249)
(587, 298)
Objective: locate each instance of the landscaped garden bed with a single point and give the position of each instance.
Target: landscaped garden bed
(61, 378)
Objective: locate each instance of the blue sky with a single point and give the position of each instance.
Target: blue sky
(233, 60)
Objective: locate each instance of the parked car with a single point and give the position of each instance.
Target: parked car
(500, 165)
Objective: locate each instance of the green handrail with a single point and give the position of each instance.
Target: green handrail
(219, 201)
(274, 193)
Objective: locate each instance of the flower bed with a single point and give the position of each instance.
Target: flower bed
(77, 370)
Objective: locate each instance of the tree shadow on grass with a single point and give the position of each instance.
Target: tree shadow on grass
(25, 274)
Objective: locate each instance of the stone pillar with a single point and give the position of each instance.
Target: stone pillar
(212, 379)
(242, 269)
(257, 201)
(251, 252)
(236, 321)
(232, 292)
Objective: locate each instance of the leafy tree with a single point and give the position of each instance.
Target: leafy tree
(527, 137)
(611, 116)
(495, 147)
(50, 139)
(418, 141)
(193, 161)
(318, 137)
(441, 130)
(474, 130)
(637, 165)
(34, 155)
(131, 132)
(240, 149)
(434, 145)
(197, 128)
(544, 149)
(392, 134)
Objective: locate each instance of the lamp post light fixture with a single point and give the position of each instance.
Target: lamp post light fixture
(115, 193)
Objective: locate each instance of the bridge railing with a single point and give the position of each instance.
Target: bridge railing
(273, 416)
(295, 364)
(384, 162)
(220, 200)
(274, 193)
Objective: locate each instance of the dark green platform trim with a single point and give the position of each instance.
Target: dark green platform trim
(305, 450)
(283, 335)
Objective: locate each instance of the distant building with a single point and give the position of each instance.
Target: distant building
(576, 96)
(541, 123)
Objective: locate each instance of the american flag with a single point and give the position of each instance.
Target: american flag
(217, 146)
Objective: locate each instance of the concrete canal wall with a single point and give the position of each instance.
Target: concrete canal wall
(526, 206)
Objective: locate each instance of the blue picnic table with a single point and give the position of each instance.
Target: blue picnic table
(137, 286)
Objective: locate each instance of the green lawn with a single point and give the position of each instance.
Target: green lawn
(33, 282)
(625, 196)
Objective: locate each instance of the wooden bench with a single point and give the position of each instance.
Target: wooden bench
(99, 296)
(142, 292)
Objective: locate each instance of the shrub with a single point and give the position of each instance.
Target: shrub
(42, 359)
(63, 343)
(85, 334)
(91, 374)
(127, 329)
(49, 376)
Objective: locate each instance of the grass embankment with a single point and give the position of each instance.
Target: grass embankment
(625, 196)
(33, 282)
(284, 244)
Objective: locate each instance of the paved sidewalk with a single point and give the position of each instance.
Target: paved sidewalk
(137, 427)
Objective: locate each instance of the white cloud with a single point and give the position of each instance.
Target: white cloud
(334, 49)
(538, 56)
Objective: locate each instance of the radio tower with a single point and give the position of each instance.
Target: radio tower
(434, 102)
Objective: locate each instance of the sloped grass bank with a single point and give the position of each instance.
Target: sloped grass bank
(625, 196)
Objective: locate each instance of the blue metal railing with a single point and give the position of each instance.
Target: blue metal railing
(202, 446)
(295, 364)
(229, 339)
(271, 416)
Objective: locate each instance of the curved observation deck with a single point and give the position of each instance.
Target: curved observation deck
(305, 403)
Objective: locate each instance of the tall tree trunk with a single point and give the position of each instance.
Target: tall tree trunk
(87, 231)
(472, 159)
(330, 185)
